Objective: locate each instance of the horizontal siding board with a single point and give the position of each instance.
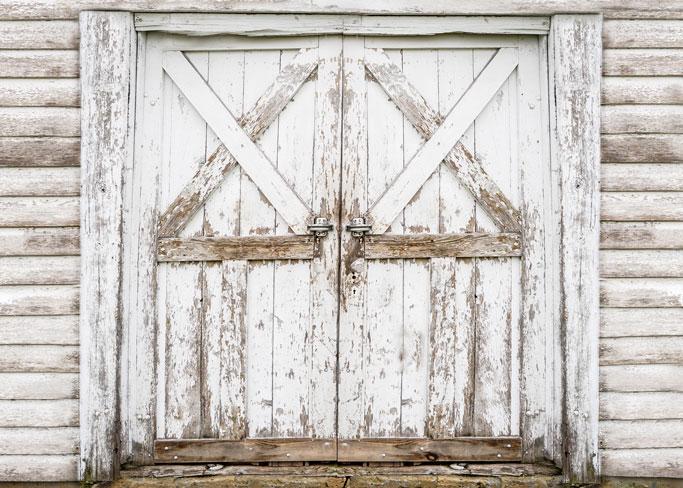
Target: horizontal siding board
(641, 235)
(642, 148)
(657, 463)
(642, 33)
(39, 211)
(642, 206)
(39, 440)
(641, 322)
(40, 181)
(641, 350)
(39, 64)
(37, 329)
(642, 119)
(641, 405)
(641, 263)
(642, 90)
(38, 386)
(641, 177)
(642, 62)
(40, 92)
(38, 359)
(39, 413)
(642, 377)
(40, 121)
(52, 468)
(50, 34)
(641, 292)
(40, 151)
(36, 270)
(55, 241)
(39, 300)
(640, 434)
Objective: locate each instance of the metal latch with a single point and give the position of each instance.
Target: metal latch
(358, 227)
(320, 227)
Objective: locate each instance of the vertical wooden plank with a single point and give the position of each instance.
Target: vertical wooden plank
(451, 378)
(224, 288)
(257, 217)
(107, 72)
(421, 215)
(324, 277)
(353, 269)
(576, 52)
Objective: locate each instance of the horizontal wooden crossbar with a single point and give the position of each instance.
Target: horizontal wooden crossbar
(252, 248)
(466, 245)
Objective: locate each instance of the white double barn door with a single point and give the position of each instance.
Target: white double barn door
(414, 329)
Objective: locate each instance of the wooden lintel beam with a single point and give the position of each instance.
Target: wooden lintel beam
(466, 245)
(180, 249)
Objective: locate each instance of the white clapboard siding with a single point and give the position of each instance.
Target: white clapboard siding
(32, 358)
(39, 329)
(54, 241)
(39, 300)
(39, 64)
(643, 322)
(39, 211)
(642, 377)
(642, 89)
(40, 92)
(642, 62)
(641, 434)
(642, 206)
(642, 177)
(642, 33)
(53, 34)
(642, 148)
(641, 405)
(641, 292)
(38, 386)
(35, 270)
(45, 468)
(39, 440)
(667, 119)
(641, 350)
(40, 181)
(39, 413)
(39, 151)
(641, 235)
(640, 263)
(40, 121)
(657, 463)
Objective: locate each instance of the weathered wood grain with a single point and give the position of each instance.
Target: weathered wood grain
(40, 182)
(642, 89)
(49, 329)
(641, 177)
(641, 206)
(35, 270)
(40, 121)
(421, 450)
(39, 413)
(641, 434)
(39, 151)
(641, 292)
(641, 235)
(43, 468)
(642, 462)
(39, 211)
(642, 377)
(641, 322)
(641, 263)
(39, 440)
(38, 386)
(43, 359)
(40, 92)
(576, 55)
(239, 248)
(642, 33)
(52, 34)
(250, 450)
(641, 148)
(642, 62)
(641, 405)
(470, 245)
(639, 119)
(39, 300)
(39, 64)
(56, 241)
(641, 350)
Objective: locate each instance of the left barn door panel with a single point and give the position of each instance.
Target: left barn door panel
(231, 304)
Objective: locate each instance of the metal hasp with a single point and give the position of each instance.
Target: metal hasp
(358, 227)
(320, 227)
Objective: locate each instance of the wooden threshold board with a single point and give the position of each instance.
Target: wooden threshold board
(177, 451)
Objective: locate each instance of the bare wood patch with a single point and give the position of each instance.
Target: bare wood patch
(465, 245)
(641, 235)
(238, 247)
(642, 148)
(40, 151)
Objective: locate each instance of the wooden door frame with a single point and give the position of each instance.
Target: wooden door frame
(108, 77)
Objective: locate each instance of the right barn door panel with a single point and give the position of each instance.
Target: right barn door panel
(446, 311)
